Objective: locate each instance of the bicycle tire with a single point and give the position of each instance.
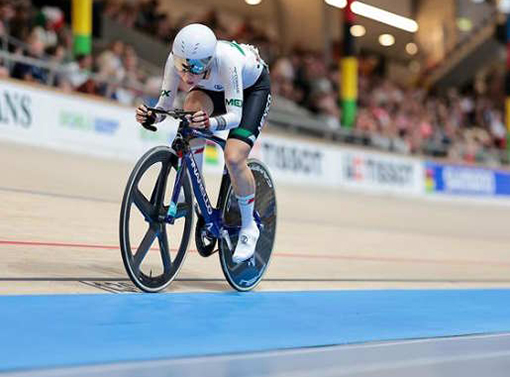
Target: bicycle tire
(247, 275)
(154, 210)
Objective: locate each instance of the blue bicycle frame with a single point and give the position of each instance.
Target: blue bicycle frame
(212, 216)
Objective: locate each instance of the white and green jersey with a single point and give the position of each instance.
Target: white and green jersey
(234, 68)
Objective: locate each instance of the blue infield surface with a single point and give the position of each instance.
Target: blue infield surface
(64, 330)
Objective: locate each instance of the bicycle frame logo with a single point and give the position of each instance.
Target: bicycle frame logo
(201, 186)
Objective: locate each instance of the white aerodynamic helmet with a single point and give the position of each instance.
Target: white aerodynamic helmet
(193, 48)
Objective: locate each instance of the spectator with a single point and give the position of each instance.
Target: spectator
(325, 105)
(148, 15)
(56, 54)
(77, 73)
(498, 129)
(7, 13)
(28, 71)
(21, 24)
(49, 20)
(110, 61)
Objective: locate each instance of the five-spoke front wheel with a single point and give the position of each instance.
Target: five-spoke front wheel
(153, 265)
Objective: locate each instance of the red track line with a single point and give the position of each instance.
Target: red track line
(60, 244)
(57, 244)
(288, 255)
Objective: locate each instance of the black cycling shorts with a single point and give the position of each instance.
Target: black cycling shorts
(256, 104)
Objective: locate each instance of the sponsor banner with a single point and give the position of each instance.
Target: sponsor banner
(465, 180)
(298, 162)
(16, 112)
(382, 173)
(36, 116)
(502, 183)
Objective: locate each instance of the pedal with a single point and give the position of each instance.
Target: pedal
(226, 237)
(204, 240)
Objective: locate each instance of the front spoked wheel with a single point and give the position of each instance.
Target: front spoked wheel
(246, 275)
(150, 264)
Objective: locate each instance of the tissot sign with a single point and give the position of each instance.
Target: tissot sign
(378, 172)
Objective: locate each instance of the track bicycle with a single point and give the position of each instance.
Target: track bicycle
(153, 268)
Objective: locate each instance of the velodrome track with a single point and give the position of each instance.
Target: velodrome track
(59, 235)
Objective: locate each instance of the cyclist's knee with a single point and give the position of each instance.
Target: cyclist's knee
(197, 100)
(235, 158)
(234, 161)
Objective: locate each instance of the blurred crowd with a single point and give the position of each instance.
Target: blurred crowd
(43, 45)
(145, 15)
(466, 126)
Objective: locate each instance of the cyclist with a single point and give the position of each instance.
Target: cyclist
(230, 90)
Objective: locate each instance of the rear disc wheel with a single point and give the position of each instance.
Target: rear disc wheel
(247, 275)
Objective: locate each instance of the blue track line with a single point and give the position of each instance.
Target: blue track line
(65, 330)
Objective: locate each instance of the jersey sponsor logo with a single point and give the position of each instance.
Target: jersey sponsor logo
(218, 87)
(235, 80)
(234, 102)
(165, 93)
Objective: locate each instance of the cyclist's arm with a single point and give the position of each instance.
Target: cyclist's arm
(232, 79)
(168, 88)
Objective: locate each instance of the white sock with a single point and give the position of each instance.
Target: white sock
(246, 205)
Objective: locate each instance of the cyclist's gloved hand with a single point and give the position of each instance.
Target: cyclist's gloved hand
(199, 120)
(146, 118)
